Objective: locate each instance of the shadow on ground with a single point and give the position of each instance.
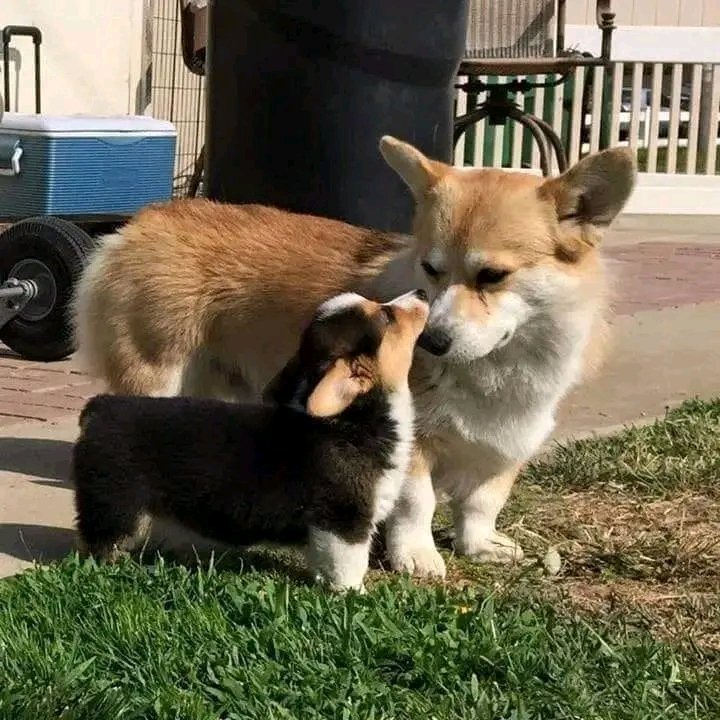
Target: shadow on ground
(37, 457)
(35, 542)
(44, 543)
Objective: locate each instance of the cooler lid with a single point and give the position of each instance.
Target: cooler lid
(84, 123)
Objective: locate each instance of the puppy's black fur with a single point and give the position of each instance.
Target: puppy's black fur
(239, 474)
(347, 334)
(243, 474)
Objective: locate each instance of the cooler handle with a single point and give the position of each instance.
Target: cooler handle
(10, 153)
(27, 31)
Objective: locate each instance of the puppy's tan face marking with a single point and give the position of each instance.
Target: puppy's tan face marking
(362, 344)
(403, 319)
(498, 248)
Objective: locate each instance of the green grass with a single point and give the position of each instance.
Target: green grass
(679, 452)
(636, 519)
(83, 642)
(632, 515)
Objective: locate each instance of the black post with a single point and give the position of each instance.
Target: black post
(300, 92)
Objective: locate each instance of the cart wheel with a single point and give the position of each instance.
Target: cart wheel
(52, 252)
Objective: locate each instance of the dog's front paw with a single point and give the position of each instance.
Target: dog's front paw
(339, 584)
(418, 560)
(340, 587)
(493, 547)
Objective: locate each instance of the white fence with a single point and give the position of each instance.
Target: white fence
(668, 112)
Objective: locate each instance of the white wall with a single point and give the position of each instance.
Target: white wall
(90, 55)
(687, 13)
(651, 43)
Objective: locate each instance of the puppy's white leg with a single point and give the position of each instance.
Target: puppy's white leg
(475, 515)
(409, 539)
(340, 564)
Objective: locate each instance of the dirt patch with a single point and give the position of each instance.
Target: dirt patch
(668, 611)
(656, 562)
(608, 534)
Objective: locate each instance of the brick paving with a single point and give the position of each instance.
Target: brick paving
(40, 391)
(655, 275)
(647, 276)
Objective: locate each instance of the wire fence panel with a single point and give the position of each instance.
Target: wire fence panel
(177, 94)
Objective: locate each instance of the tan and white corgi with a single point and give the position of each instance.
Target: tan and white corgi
(200, 298)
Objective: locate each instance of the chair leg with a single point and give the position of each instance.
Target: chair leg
(463, 122)
(530, 122)
(196, 177)
(543, 133)
(555, 141)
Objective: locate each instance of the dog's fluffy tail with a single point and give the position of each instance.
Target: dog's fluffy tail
(87, 310)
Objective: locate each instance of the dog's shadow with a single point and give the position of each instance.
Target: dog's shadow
(42, 458)
(41, 543)
(45, 543)
(287, 564)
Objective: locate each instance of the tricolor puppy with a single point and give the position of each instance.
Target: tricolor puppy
(208, 299)
(243, 474)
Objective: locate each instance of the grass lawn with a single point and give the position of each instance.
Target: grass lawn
(629, 628)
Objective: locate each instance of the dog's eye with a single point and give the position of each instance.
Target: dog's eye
(490, 276)
(388, 314)
(430, 270)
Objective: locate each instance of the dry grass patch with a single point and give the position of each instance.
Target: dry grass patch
(658, 560)
(636, 520)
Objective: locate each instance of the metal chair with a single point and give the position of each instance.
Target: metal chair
(523, 37)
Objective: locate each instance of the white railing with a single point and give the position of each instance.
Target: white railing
(668, 112)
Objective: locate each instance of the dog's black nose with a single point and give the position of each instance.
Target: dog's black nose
(435, 341)
(420, 294)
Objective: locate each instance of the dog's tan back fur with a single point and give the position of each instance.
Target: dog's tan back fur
(193, 271)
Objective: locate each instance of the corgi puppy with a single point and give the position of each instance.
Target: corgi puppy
(242, 474)
(209, 299)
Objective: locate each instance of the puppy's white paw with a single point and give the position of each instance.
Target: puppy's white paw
(340, 586)
(418, 560)
(494, 547)
(341, 589)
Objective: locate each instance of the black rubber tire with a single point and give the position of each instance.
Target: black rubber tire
(63, 247)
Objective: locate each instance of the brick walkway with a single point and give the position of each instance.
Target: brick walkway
(654, 275)
(40, 391)
(647, 276)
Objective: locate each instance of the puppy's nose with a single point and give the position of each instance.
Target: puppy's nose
(420, 294)
(435, 341)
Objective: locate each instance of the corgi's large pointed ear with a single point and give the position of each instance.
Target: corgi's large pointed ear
(419, 172)
(594, 190)
(336, 390)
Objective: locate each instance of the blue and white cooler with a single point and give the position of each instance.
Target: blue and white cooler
(64, 180)
(81, 166)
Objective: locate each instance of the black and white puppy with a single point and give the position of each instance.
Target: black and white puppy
(243, 474)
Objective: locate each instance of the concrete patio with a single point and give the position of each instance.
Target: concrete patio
(666, 274)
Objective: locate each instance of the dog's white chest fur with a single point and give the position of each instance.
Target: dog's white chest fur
(473, 428)
(402, 414)
(495, 412)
